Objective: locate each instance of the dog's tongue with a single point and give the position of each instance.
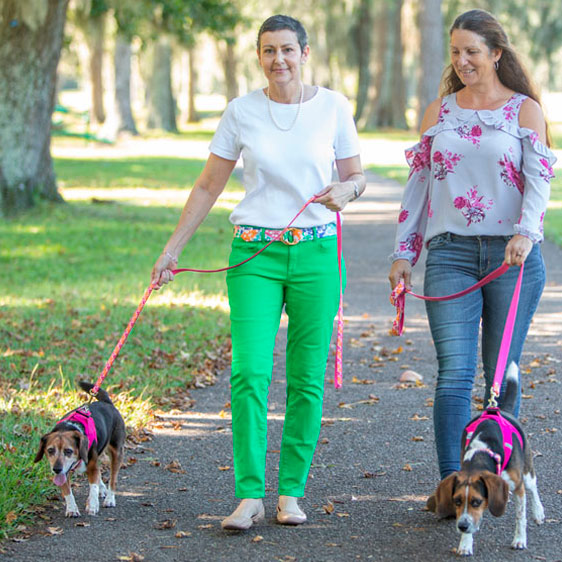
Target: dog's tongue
(59, 479)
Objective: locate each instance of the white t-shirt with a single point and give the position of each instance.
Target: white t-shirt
(283, 169)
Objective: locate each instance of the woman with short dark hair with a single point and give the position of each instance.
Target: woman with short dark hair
(289, 135)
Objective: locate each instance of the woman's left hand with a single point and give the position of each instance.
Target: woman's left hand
(517, 250)
(336, 195)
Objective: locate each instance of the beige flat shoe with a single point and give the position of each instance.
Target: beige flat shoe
(289, 512)
(249, 511)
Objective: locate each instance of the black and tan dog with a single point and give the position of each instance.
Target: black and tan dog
(496, 458)
(76, 443)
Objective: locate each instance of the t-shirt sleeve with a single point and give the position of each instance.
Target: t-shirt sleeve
(347, 141)
(226, 140)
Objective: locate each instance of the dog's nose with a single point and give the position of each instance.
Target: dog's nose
(57, 469)
(463, 525)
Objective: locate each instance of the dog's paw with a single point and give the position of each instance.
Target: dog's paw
(109, 500)
(72, 512)
(538, 515)
(465, 545)
(92, 506)
(519, 544)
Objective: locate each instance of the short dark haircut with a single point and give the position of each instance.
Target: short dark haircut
(279, 22)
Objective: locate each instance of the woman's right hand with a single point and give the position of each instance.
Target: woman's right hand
(401, 270)
(162, 270)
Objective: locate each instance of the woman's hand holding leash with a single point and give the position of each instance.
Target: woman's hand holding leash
(337, 195)
(401, 270)
(517, 250)
(162, 272)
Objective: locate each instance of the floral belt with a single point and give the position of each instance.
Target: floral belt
(293, 236)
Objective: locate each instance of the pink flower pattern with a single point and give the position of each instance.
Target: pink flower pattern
(403, 215)
(546, 172)
(444, 164)
(472, 134)
(510, 175)
(439, 166)
(473, 206)
(511, 108)
(414, 243)
(419, 158)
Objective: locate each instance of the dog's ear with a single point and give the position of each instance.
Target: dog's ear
(444, 496)
(41, 451)
(82, 445)
(498, 493)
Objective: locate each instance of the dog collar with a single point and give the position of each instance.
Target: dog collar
(81, 418)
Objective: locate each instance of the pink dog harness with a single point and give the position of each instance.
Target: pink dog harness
(82, 419)
(507, 429)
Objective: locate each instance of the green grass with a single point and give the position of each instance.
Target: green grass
(72, 276)
(150, 172)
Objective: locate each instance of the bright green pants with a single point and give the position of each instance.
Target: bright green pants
(305, 279)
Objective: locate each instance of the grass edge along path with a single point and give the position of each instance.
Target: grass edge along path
(81, 269)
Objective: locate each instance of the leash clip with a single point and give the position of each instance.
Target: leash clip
(494, 393)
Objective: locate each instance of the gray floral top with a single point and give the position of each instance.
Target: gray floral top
(476, 172)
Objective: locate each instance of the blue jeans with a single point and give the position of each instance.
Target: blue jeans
(455, 263)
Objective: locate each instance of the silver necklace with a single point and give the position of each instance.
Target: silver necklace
(296, 115)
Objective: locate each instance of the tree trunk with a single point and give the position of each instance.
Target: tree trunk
(430, 21)
(161, 103)
(192, 115)
(122, 60)
(389, 108)
(95, 39)
(229, 64)
(361, 34)
(30, 44)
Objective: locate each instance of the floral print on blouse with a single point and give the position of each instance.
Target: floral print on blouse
(476, 172)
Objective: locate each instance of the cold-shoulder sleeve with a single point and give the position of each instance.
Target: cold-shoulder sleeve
(412, 218)
(537, 173)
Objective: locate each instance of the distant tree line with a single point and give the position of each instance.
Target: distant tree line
(387, 55)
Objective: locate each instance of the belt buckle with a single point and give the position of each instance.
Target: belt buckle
(295, 236)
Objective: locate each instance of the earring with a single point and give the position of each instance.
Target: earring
(496, 64)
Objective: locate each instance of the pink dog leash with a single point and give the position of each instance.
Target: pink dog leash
(397, 298)
(339, 340)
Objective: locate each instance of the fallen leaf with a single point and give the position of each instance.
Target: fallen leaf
(182, 534)
(55, 530)
(407, 468)
(417, 438)
(224, 468)
(167, 524)
(257, 538)
(417, 417)
(175, 467)
(328, 508)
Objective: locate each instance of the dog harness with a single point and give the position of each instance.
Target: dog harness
(81, 418)
(507, 429)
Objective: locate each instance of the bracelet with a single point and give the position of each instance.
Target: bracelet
(171, 257)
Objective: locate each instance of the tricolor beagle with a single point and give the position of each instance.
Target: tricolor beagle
(496, 458)
(76, 443)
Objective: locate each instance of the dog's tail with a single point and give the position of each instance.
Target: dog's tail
(102, 395)
(511, 388)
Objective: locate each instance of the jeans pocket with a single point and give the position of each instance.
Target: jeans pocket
(439, 241)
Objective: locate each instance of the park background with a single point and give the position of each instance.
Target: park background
(98, 149)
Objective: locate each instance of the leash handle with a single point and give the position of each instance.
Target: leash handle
(506, 341)
(338, 367)
(339, 345)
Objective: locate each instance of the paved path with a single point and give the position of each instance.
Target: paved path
(375, 463)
